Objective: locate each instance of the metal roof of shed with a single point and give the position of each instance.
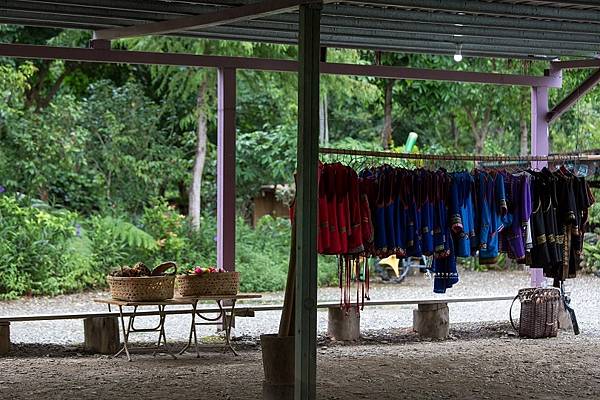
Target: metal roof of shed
(506, 28)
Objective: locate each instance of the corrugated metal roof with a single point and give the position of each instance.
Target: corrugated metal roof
(507, 28)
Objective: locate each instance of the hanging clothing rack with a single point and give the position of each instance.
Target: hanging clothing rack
(460, 157)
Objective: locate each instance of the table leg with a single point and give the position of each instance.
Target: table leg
(163, 317)
(125, 334)
(195, 306)
(192, 332)
(160, 331)
(189, 343)
(228, 323)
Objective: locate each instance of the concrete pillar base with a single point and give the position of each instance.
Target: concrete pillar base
(343, 325)
(432, 320)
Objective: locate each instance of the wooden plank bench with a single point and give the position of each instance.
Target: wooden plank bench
(342, 325)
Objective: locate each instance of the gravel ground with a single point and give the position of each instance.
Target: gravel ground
(585, 293)
(480, 361)
(483, 359)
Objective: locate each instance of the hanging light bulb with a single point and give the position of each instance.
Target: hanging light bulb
(458, 56)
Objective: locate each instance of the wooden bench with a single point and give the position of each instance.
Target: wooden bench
(430, 319)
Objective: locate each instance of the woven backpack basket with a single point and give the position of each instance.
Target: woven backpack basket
(144, 288)
(539, 312)
(208, 284)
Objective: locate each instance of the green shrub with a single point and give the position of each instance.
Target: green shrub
(34, 249)
(591, 253)
(263, 256)
(49, 251)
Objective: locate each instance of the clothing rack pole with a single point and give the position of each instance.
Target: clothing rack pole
(459, 157)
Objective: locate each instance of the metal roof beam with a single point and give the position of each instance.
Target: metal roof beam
(177, 9)
(482, 21)
(100, 9)
(287, 38)
(221, 17)
(380, 34)
(290, 20)
(192, 60)
(590, 3)
(84, 22)
(436, 28)
(492, 8)
(428, 49)
(542, 2)
(345, 36)
(287, 33)
(568, 102)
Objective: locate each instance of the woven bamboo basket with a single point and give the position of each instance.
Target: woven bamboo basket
(143, 288)
(209, 284)
(539, 312)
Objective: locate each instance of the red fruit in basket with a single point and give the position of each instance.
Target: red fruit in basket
(211, 270)
(198, 271)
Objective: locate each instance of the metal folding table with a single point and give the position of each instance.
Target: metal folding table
(225, 314)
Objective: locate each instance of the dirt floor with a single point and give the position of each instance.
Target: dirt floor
(485, 361)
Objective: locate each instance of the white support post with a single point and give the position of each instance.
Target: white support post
(539, 147)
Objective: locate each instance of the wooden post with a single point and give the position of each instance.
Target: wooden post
(432, 320)
(4, 338)
(306, 203)
(101, 335)
(226, 149)
(226, 168)
(343, 325)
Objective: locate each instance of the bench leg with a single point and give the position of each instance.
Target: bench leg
(343, 325)
(4, 338)
(432, 320)
(101, 335)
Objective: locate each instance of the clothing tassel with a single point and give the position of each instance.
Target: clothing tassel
(340, 279)
(356, 266)
(367, 279)
(348, 282)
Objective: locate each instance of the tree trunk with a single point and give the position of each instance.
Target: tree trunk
(479, 143)
(386, 133)
(324, 121)
(480, 131)
(454, 129)
(200, 157)
(524, 142)
(33, 95)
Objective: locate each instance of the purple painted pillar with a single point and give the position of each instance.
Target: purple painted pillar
(539, 126)
(226, 168)
(539, 147)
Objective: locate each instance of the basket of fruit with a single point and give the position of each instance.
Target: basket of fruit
(139, 283)
(208, 281)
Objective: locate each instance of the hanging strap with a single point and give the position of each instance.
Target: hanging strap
(567, 301)
(510, 314)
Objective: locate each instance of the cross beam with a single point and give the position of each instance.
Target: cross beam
(573, 97)
(576, 64)
(216, 18)
(104, 55)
